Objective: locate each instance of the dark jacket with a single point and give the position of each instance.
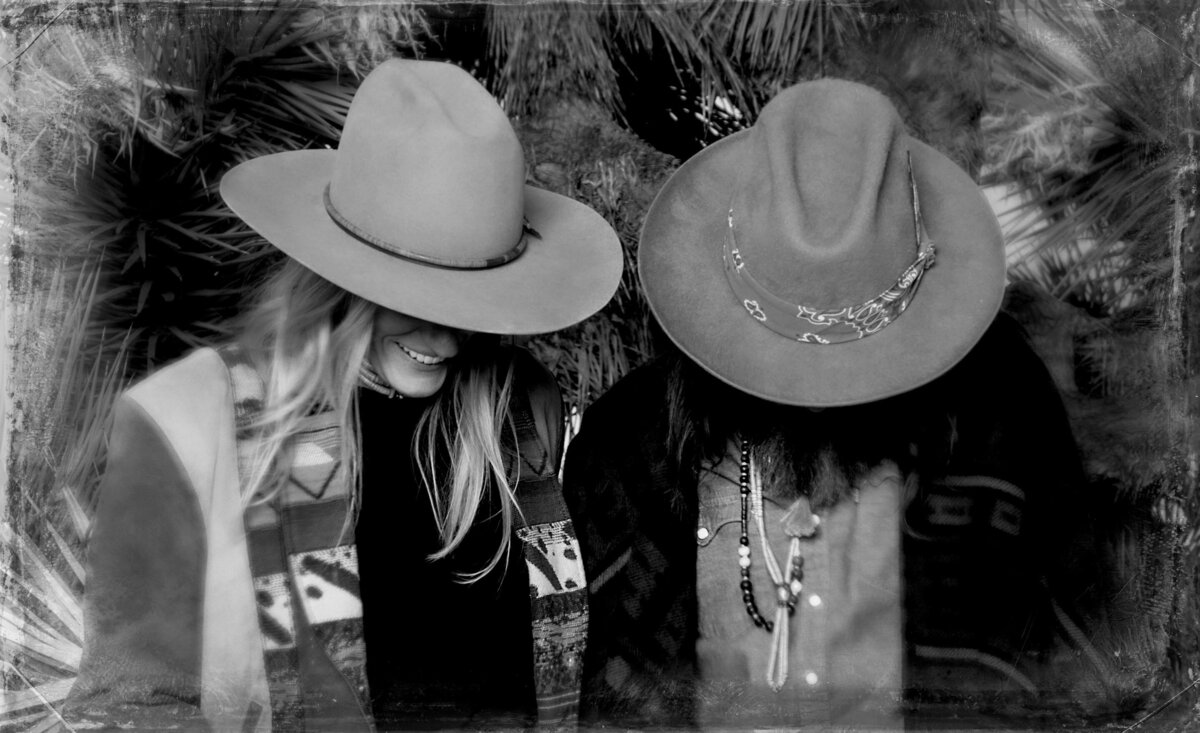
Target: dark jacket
(202, 613)
(988, 597)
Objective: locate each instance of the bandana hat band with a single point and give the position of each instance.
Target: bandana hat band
(829, 326)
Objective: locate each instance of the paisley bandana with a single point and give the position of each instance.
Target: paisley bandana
(837, 325)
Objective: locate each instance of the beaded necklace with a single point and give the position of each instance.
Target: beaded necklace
(799, 523)
(369, 378)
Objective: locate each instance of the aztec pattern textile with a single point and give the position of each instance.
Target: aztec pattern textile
(557, 588)
(303, 558)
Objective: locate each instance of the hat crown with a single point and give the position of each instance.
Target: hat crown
(822, 211)
(428, 164)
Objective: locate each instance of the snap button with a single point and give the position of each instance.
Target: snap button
(702, 533)
(814, 600)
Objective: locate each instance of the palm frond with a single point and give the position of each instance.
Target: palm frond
(32, 707)
(1093, 137)
(41, 617)
(542, 52)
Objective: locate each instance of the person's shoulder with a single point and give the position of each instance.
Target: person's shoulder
(637, 396)
(1005, 336)
(1003, 364)
(196, 370)
(187, 403)
(533, 378)
(193, 384)
(527, 368)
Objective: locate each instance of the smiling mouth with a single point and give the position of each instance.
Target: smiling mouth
(420, 358)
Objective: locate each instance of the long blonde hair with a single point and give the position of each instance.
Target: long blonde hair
(307, 338)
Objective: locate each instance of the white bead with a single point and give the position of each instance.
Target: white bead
(702, 533)
(796, 587)
(744, 550)
(814, 600)
(744, 562)
(811, 677)
(816, 520)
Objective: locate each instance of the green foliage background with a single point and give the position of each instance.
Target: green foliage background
(125, 115)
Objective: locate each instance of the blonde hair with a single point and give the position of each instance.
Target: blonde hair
(307, 338)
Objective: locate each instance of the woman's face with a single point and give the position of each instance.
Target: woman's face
(412, 355)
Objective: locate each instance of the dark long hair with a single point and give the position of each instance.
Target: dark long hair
(1000, 395)
(308, 338)
(822, 452)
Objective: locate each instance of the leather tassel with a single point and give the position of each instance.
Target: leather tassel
(777, 663)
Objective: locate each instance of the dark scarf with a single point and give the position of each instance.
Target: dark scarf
(467, 677)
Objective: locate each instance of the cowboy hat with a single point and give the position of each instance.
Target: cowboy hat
(822, 256)
(423, 209)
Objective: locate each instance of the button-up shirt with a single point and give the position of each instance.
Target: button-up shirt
(845, 642)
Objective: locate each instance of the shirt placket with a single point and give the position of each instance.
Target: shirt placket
(845, 646)
(733, 652)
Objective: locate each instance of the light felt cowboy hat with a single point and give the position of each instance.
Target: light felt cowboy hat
(423, 209)
(786, 260)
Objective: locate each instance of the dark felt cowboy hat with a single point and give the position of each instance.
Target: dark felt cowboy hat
(423, 209)
(823, 256)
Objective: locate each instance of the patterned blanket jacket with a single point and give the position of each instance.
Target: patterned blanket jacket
(997, 563)
(203, 614)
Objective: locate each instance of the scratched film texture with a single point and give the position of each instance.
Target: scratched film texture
(119, 118)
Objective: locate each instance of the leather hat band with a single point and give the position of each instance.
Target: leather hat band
(478, 263)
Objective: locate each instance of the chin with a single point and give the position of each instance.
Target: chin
(416, 385)
(418, 393)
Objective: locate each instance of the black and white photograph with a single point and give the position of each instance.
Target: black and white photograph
(663, 365)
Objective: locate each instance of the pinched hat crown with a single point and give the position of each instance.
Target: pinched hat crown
(822, 212)
(429, 168)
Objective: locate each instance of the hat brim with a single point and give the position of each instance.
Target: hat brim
(680, 265)
(565, 274)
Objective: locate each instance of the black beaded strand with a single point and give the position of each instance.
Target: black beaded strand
(795, 572)
(744, 544)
